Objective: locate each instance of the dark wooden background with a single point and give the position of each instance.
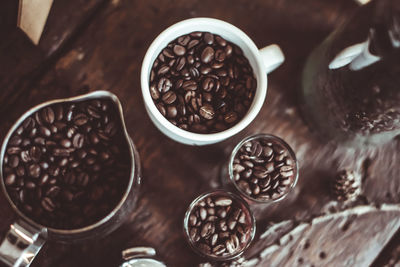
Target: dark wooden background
(90, 45)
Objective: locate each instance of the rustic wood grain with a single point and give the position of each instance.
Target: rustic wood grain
(23, 63)
(106, 53)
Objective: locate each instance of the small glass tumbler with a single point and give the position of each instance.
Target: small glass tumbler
(219, 225)
(262, 168)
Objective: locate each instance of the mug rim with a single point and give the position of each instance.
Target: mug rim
(260, 74)
(132, 179)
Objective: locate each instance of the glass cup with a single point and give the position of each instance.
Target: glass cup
(261, 177)
(26, 237)
(262, 61)
(218, 218)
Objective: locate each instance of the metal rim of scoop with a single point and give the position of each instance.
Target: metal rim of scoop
(90, 96)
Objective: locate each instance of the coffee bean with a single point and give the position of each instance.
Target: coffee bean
(204, 248)
(28, 123)
(15, 141)
(44, 179)
(184, 40)
(189, 85)
(53, 191)
(163, 70)
(22, 195)
(230, 117)
(203, 213)
(93, 137)
(220, 41)
(61, 152)
(192, 220)
(80, 119)
(207, 112)
(179, 50)
(48, 115)
(20, 171)
(222, 213)
(13, 150)
(235, 241)
(34, 170)
(59, 112)
(14, 161)
(232, 224)
(63, 162)
(193, 43)
(45, 132)
(65, 143)
(172, 111)
(245, 187)
(230, 246)
(205, 69)
(206, 230)
(260, 173)
(194, 234)
(287, 173)
(25, 142)
(83, 179)
(208, 84)
(220, 56)
(10, 179)
(78, 140)
(223, 201)
(70, 178)
(164, 85)
(35, 153)
(169, 97)
(207, 55)
(38, 118)
(48, 204)
(208, 38)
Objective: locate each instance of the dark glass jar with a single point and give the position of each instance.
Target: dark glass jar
(351, 82)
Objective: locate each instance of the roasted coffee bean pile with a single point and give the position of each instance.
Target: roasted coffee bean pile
(202, 83)
(218, 226)
(264, 169)
(68, 165)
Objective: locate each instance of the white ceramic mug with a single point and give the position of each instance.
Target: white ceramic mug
(262, 61)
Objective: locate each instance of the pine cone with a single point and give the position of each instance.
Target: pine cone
(346, 186)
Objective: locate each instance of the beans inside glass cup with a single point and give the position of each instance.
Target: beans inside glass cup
(68, 164)
(263, 168)
(202, 83)
(219, 225)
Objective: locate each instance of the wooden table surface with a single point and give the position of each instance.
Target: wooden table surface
(99, 45)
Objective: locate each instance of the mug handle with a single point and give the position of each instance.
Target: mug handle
(21, 244)
(272, 56)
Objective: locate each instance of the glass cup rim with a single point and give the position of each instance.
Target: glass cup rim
(237, 198)
(133, 173)
(258, 136)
